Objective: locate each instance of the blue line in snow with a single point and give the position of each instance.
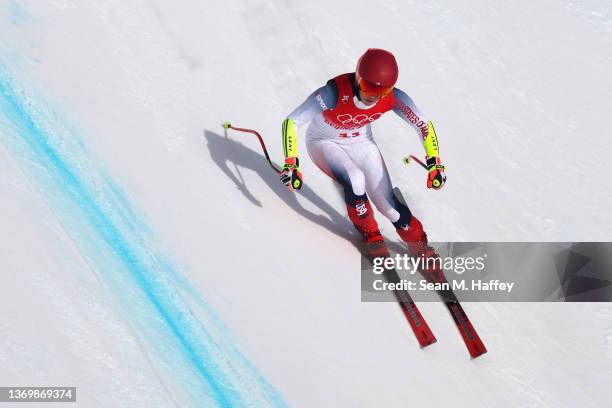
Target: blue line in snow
(70, 173)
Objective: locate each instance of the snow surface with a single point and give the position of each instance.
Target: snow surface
(151, 260)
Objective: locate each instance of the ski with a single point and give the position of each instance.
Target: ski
(419, 326)
(469, 335)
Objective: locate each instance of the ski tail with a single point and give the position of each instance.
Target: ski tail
(419, 326)
(469, 335)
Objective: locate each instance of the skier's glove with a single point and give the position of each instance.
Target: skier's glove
(436, 177)
(290, 173)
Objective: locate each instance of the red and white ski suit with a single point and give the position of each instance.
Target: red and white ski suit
(339, 141)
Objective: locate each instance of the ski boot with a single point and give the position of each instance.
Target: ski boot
(416, 240)
(362, 216)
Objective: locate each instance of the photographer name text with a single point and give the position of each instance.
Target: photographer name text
(494, 285)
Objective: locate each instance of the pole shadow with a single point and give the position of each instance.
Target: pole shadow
(226, 152)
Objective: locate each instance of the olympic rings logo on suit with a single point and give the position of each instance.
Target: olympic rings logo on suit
(361, 119)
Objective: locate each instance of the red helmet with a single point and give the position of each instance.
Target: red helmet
(378, 67)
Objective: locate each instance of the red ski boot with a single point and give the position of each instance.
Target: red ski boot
(362, 216)
(416, 239)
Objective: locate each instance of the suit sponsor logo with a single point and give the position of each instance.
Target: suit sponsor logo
(414, 119)
(361, 209)
(322, 104)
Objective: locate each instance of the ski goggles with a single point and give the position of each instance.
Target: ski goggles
(368, 89)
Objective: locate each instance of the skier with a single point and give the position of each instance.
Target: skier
(339, 141)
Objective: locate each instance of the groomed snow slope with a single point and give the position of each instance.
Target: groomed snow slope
(151, 260)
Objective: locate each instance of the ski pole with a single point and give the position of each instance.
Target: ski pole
(411, 157)
(228, 125)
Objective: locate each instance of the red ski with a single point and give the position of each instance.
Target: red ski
(469, 335)
(471, 339)
(419, 326)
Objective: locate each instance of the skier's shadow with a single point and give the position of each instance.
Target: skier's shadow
(225, 151)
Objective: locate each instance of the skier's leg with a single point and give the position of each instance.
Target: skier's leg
(408, 227)
(378, 183)
(380, 190)
(337, 164)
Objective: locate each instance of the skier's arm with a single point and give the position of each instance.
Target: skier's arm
(406, 109)
(320, 100)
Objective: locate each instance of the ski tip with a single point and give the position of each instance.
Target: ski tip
(227, 124)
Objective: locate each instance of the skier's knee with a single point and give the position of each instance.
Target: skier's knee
(353, 184)
(357, 183)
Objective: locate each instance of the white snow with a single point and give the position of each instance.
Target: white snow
(149, 232)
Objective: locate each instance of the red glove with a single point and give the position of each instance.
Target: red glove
(436, 177)
(290, 173)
